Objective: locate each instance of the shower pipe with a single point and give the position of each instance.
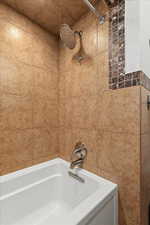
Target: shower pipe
(94, 10)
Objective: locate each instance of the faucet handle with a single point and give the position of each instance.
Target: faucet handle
(80, 151)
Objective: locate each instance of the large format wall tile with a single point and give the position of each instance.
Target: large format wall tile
(16, 149)
(118, 152)
(14, 79)
(45, 142)
(82, 81)
(107, 121)
(117, 108)
(16, 112)
(145, 156)
(45, 112)
(80, 112)
(28, 92)
(26, 47)
(45, 83)
(10, 76)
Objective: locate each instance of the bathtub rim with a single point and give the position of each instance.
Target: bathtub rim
(92, 204)
(26, 171)
(58, 160)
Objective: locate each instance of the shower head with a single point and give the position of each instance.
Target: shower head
(67, 35)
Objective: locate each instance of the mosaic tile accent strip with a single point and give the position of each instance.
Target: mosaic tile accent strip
(111, 3)
(129, 80)
(117, 41)
(117, 76)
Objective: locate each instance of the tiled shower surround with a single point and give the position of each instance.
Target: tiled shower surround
(108, 121)
(119, 79)
(48, 102)
(28, 92)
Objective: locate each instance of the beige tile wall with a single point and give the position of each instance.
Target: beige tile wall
(38, 118)
(107, 121)
(51, 14)
(28, 92)
(145, 156)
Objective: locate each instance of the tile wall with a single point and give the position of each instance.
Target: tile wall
(107, 121)
(28, 92)
(118, 79)
(42, 115)
(145, 156)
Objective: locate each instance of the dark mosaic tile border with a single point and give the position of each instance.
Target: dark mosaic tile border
(117, 76)
(129, 80)
(111, 3)
(117, 40)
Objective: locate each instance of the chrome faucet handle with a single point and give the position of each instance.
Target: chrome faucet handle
(80, 151)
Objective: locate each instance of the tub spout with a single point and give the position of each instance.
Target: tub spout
(76, 164)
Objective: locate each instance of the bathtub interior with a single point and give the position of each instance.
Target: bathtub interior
(44, 196)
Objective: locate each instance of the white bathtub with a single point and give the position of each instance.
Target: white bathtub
(46, 195)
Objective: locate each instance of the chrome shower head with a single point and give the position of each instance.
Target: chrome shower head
(67, 35)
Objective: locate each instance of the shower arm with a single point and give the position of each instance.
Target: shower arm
(79, 33)
(92, 8)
